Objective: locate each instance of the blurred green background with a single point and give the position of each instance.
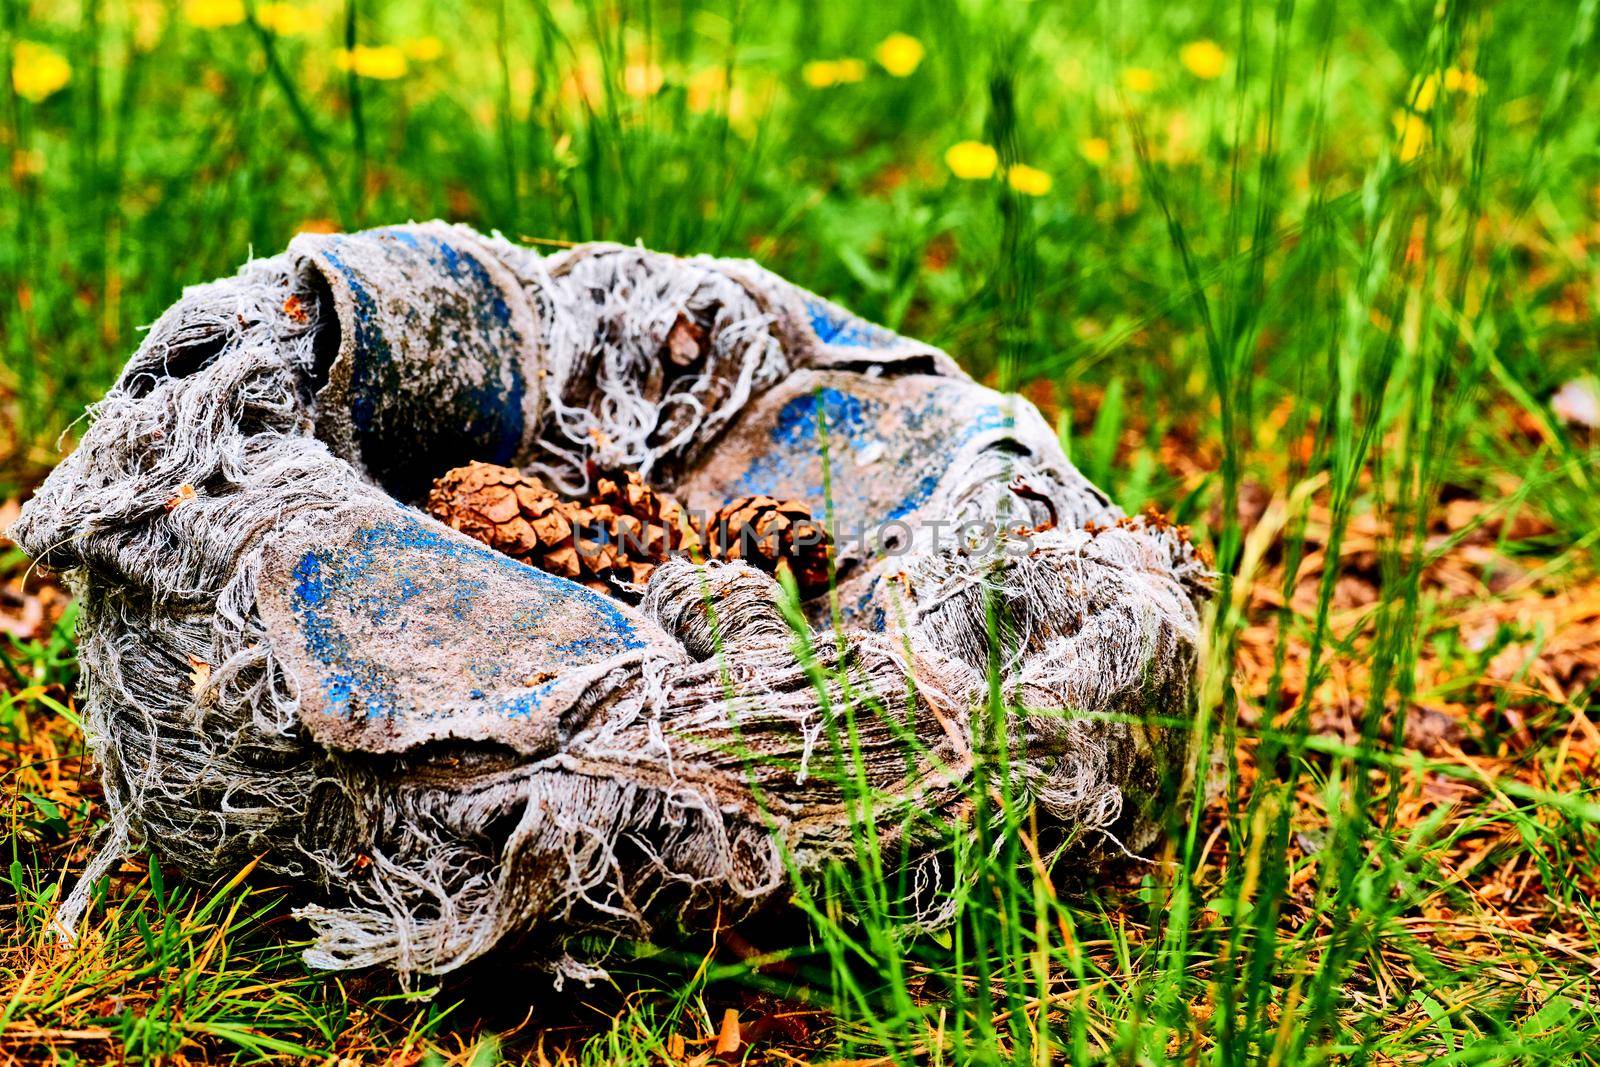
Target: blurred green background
(967, 172)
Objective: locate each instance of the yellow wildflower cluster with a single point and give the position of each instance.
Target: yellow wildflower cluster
(213, 14)
(38, 71)
(976, 161)
(826, 73)
(1424, 91)
(1204, 58)
(1413, 135)
(383, 62)
(900, 54)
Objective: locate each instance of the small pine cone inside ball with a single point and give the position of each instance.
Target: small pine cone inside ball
(511, 512)
(649, 526)
(774, 535)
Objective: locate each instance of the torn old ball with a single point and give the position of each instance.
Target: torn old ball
(455, 750)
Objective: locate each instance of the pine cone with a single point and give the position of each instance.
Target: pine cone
(774, 535)
(649, 526)
(614, 539)
(513, 513)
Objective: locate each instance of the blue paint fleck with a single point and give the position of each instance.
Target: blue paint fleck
(308, 588)
(916, 498)
(846, 416)
(865, 611)
(525, 704)
(835, 326)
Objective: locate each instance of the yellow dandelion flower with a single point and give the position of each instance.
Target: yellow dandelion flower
(900, 54)
(1423, 93)
(1029, 181)
(213, 14)
(972, 160)
(1204, 58)
(1139, 79)
(820, 73)
(424, 49)
(826, 73)
(1097, 150)
(383, 62)
(37, 71)
(290, 20)
(642, 80)
(1457, 80)
(849, 70)
(1412, 135)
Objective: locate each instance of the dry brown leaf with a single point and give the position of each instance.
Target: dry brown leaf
(728, 1037)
